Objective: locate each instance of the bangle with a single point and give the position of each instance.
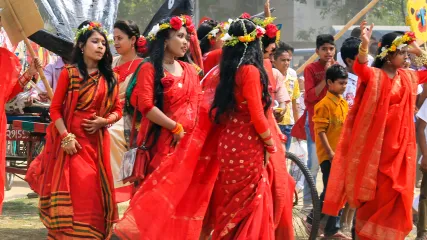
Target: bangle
(363, 51)
(178, 129)
(271, 148)
(267, 138)
(69, 138)
(64, 134)
(283, 137)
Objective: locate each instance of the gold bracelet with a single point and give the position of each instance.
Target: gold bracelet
(70, 137)
(362, 51)
(421, 60)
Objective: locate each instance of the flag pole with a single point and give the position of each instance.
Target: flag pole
(343, 30)
(29, 48)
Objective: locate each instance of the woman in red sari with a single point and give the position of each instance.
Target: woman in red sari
(210, 33)
(243, 206)
(129, 44)
(77, 190)
(168, 204)
(374, 165)
(10, 84)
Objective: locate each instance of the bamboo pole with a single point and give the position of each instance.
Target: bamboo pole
(30, 49)
(340, 33)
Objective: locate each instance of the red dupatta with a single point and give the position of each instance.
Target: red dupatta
(354, 170)
(9, 72)
(49, 174)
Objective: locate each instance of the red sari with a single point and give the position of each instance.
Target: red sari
(211, 59)
(243, 202)
(76, 192)
(169, 204)
(374, 165)
(10, 87)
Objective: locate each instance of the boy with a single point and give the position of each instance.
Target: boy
(315, 89)
(349, 51)
(422, 142)
(329, 116)
(282, 61)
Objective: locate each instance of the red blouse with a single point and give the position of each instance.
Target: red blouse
(211, 59)
(56, 107)
(249, 91)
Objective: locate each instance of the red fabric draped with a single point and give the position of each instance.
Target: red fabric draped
(378, 175)
(9, 85)
(76, 192)
(172, 200)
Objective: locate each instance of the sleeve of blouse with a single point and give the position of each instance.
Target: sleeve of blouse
(118, 107)
(363, 71)
(310, 86)
(15, 91)
(251, 90)
(59, 96)
(422, 76)
(144, 89)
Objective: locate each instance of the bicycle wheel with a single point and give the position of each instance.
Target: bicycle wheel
(303, 178)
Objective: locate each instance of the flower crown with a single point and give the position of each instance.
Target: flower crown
(174, 23)
(221, 29)
(398, 43)
(271, 30)
(141, 44)
(230, 40)
(91, 26)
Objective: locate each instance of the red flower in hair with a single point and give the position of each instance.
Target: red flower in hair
(271, 30)
(176, 23)
(412, 36)
(141, 44)
(188, 20)
(259, 32)
(92, 24)
(190, 29)
(212, 41)
(245, 15)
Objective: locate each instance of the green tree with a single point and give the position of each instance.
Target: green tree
(140, 11)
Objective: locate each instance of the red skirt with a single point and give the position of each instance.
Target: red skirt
(243, 201)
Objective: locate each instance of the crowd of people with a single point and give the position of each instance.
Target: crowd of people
(210, 114)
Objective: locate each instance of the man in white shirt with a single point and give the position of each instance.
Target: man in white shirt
(349, 51)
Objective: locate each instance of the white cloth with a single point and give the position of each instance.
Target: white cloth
(342, 63)
(422, 114)
(350, 91)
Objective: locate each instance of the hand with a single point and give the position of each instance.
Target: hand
(328, 64)
(34, 66)
(91, 126)
(29, 101)
(331, 155)
(267, 4)
(366, 33)
(424, 163)
(279, 115)
(415, 49)
(43, 97)
(177, 138)
(71, 147)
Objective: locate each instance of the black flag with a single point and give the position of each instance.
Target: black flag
(171, 8)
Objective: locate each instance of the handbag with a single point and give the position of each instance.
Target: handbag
(137, 160)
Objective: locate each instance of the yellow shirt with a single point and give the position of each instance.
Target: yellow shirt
(292, 85)
(329, 116)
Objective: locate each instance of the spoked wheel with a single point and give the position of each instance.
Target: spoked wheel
(303, 178)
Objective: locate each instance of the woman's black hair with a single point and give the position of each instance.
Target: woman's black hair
(104, 65)
(131, 29)
(202, 35)
(267, 41)
(224, 100)
(156, 51)
(386, 41)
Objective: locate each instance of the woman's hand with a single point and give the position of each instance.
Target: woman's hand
(365, 34)
(71, 147)
(177, 138)
(91, 126)
(415, 49)
(34, 66)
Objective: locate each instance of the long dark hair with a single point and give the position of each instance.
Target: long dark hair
(104, 65)
(386, 41)
(202, 35)
(156, 51)
(224, 100)
(130, 28)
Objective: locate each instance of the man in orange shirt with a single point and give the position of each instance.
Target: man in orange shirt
(329, 116)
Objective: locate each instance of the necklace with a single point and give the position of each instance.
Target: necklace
(165, 61)
(125, 74)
